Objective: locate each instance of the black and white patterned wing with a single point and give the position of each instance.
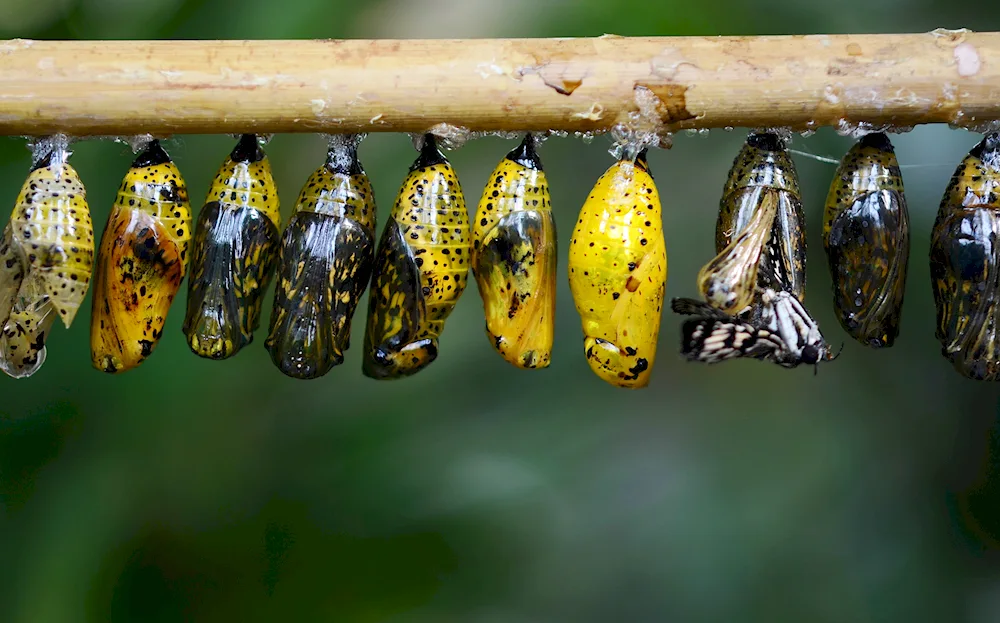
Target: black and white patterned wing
(714, 340)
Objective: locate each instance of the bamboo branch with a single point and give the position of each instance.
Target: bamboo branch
(665, 83)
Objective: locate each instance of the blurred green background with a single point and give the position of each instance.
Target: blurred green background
(192, 490)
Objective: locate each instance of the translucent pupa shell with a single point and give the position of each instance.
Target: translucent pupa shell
(141, 264)
(618, 273)
(327, 253)
(514, 258)
(965, 264)
(761, 224)
(46, 258)
(866, 234)
(421, 268)
(235, 251)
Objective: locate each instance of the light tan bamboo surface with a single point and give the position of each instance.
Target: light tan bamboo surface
(588, 84)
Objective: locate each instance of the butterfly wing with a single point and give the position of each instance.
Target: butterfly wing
(714, 340)
(868, 248)
(139, 271)
(234, 256)
(515, 270)
(396, 311)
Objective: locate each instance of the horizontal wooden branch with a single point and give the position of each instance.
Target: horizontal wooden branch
(660, 83)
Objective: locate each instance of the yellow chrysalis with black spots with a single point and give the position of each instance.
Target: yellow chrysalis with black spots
(235, 250)
(421, 268)
(618, 273)
(965, 264)
(514, 258)
(866, 234)
(142, 261)
(327, 253)
(760, 233)
(46, 257)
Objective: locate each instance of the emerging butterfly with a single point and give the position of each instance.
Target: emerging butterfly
(45, 261)
(866, 234)
(235, 250)
(965, 264)
(761, 223)
(142, 261)
(785, 334)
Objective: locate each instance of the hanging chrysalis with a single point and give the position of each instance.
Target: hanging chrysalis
(235, 250)
(141, 263)
(618, 273)
(514, 258)
(965, 264)
(866, 234)
(421, 268)
(760, 222)
(327, 253)
(46, 257)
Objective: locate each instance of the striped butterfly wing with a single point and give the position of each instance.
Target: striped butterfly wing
(714, 340)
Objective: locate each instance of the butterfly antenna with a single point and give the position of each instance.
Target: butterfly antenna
(840, 350)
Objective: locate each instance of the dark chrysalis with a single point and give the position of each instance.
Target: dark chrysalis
(327, 252)
(866, 234)
(965, 263)
(235, 250)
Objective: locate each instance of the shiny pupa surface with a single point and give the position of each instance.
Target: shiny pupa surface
(965, 264)
(866, 235)
(761, 223)
(327, 253)
(141, 263)
(234, 253)
(46, 257)
(421, 268)
(618, 273)
(514, 258)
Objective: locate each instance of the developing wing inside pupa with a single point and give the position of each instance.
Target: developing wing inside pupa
(397, 311)
(634, 324)
(139, 271)
(515, 268)
(966, 281)
(325, 266)
(868, 246)
(729, 281)
(234, 253)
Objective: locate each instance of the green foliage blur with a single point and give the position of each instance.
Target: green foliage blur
(193, 490)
